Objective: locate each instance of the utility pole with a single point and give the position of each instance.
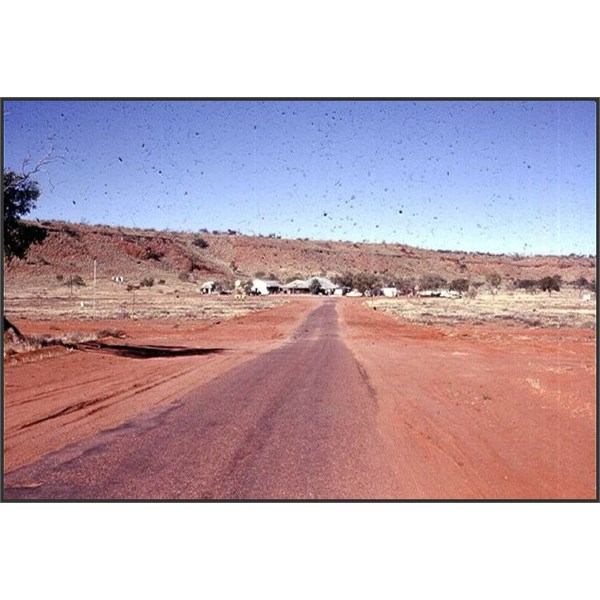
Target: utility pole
(94, 303)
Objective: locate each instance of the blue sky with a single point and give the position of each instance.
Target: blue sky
(489, 176)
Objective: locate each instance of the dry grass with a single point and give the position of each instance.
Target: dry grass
(115, 302)
(32, 345)
(517, 309)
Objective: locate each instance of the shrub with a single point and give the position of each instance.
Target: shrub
(551, 284)
(314, 286)
(583, 283)
(200, 242)
(459, 285)
(147, 282)
(152, 254)
(364, 281)
(345, 280)
(161, 282)
(493, 279)
(59, 278)
(432, 282)
(405, 285)
(183, 276)
(526, 284)
(75, 280)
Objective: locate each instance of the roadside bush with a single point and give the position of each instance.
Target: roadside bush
(147, 282)
(200, 242)
(183, 276)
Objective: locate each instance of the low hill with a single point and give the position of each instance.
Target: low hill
(69, 249)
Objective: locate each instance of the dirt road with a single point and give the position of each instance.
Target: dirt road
(296, 422)
(354, 404)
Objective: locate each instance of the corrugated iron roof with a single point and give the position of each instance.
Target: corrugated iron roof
(267, 282)
(297, 284)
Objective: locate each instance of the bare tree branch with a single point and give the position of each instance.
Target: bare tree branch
(46, 159)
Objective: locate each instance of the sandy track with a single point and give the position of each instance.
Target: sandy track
(296, 422)
(60, 400)
(352, 404)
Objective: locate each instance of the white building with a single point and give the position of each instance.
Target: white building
(389, 292)
(208, 287)
(265, 286)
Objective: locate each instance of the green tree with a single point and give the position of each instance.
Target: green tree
(20, 194)
(405, 285)
(364, 281)
(19, 199)
(345, 280)
(432, 282)
(551, 284)
(314, 286)
(459, 285)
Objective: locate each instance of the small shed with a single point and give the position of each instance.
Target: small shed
(265, 286)
(389, 292)
(208, 287)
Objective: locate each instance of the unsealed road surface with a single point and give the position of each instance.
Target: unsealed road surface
(298, 422)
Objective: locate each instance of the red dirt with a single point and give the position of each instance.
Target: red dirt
(68, 395)
(482, 412)
(464, 412)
